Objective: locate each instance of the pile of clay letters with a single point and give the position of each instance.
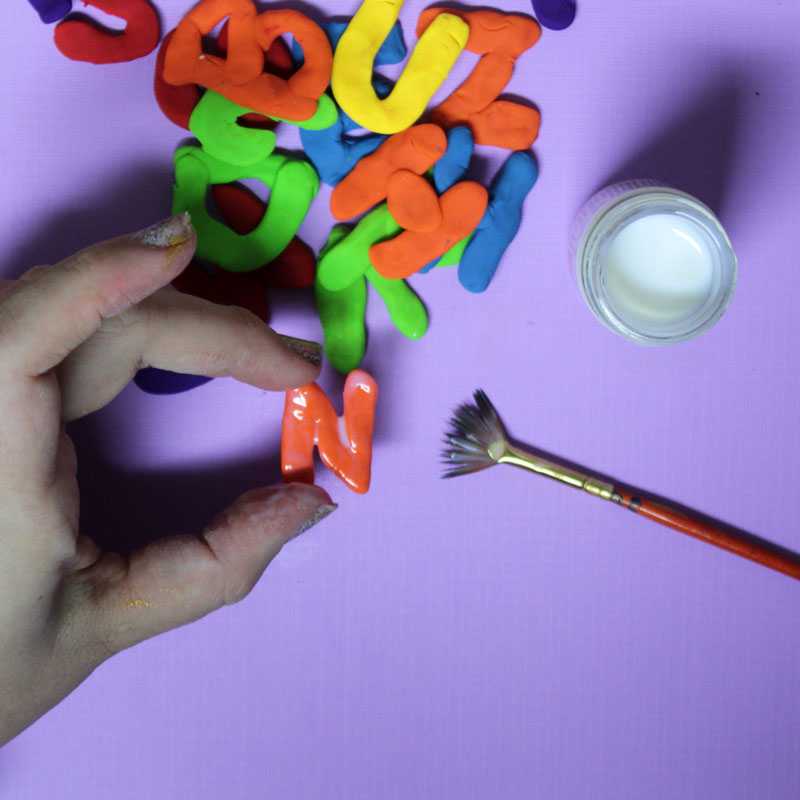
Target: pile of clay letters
(400, 194)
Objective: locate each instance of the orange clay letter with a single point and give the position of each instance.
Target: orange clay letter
(413, 202)
(309, 419)
(312, 79)
(240, 77)
(416, 149)
(185, 61)
(462, 207)
(500, 39)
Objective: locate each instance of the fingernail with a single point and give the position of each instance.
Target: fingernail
(320, 514)
(170, 232)
(310, 351)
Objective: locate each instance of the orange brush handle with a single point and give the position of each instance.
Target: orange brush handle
(707, 533)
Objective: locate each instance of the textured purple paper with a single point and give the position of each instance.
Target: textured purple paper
(495, 636)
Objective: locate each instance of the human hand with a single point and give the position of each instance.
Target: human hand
(71, 337)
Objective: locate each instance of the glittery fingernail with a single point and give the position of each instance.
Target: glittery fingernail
(310, 351)
(170, 232)
(320, 514)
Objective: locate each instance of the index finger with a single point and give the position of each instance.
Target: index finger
(48, 314)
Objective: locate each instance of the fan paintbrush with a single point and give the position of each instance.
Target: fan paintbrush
(478, 440)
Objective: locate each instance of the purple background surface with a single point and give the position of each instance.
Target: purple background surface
(495, 636)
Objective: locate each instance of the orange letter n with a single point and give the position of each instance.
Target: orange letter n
(344, 443)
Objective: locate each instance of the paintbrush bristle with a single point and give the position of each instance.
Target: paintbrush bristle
(472, 445)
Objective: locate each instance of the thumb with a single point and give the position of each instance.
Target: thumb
(175, 581)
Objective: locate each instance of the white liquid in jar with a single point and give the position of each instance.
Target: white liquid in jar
(659, 269)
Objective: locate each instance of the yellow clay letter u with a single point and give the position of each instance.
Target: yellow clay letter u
(430, 62)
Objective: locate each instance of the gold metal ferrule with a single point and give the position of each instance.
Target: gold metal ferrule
(519, 458)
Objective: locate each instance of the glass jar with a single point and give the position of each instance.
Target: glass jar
(653, 263)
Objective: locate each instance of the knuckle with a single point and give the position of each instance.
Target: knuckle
(80, 261)
(238, 588)
(246, 321)
(34, 272)
(229, 582)
(136, 317)
(37, 271)
(236, 351)
(139, 322)
(10, 318)
(103, 645)
(7, 325)
(85, 629)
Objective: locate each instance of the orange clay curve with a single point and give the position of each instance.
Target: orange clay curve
(240, 77)
(416, 149)
(462, 208)
(312, 79)
(413, 202)
(309, 419)
(500, 39)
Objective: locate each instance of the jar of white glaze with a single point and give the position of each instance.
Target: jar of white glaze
(653, 263)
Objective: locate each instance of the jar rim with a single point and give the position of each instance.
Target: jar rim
(621, 210)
